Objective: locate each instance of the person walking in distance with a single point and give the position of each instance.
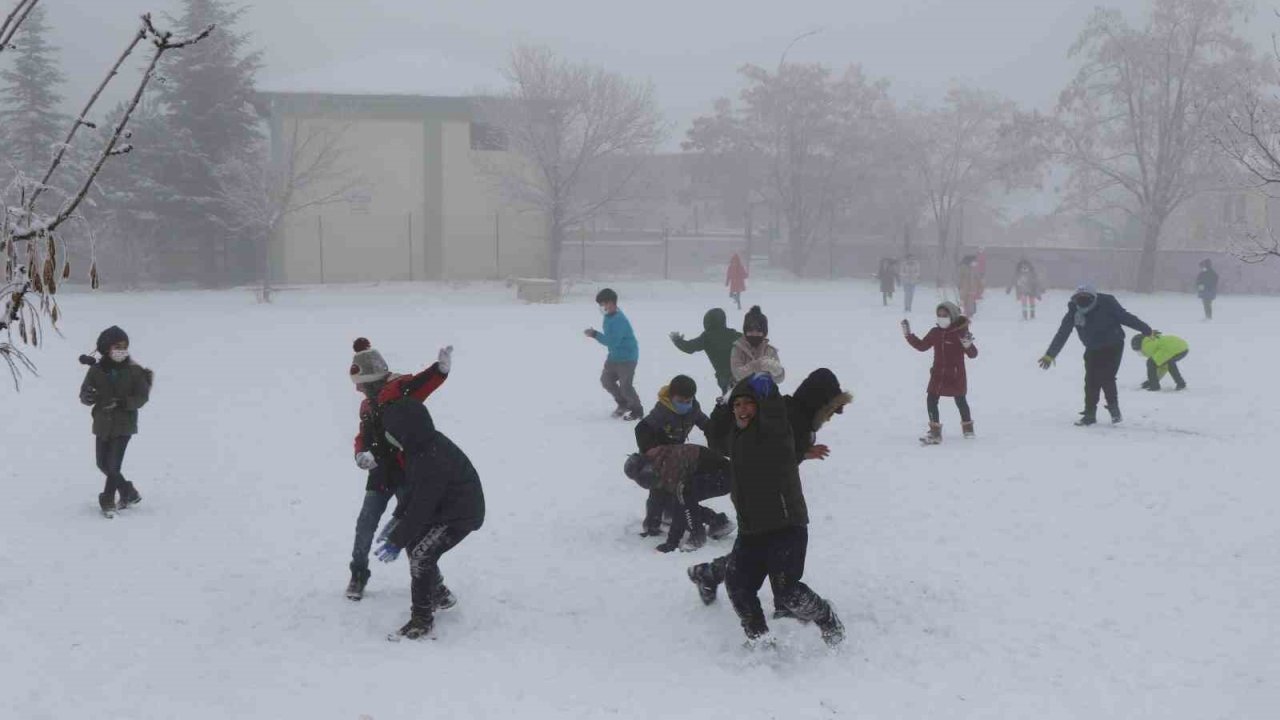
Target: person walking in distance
(909, 274)
(1207, 286)
(116, 388)
(1099, 320)
(736, 279)
(618, 376)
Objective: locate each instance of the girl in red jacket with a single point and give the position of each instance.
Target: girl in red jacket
(736, 279)
(951, 342)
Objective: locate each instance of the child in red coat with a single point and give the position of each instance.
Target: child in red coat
(951, 342)
(736, 279)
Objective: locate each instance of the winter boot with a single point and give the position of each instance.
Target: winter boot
(694, 539)
(419, 625)
(1116, 417)
(633, 415)
(443, 598)
(702, 577)
(831, 627)
(934, 436)
(355, 588)
(968, 430)
(129, 496)
(619, 412)
(1087, 418)
(780, 612)
(721, 528)
(1181, 386)
(107, 504)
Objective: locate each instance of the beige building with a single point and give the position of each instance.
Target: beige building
(420, 200)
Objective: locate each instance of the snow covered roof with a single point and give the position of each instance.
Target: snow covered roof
(415, 72)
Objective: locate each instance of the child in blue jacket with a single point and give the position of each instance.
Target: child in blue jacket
(619, 373)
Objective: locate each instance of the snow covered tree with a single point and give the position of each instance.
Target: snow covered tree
(207, 95)
(1136, 123)
(581, 133)
(30, 124)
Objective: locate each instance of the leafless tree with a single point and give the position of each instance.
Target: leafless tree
(1134, 126)
(307, 168)
(581, 134)
(34, 258)
(973, 143)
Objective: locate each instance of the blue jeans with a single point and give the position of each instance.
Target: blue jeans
(371, 511)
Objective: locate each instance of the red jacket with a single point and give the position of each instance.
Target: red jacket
(419, 387)
(736, 278)
(947, 378)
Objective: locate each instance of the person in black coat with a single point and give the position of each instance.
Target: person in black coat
(444, 503)
(773, 519)
(1100, 321)
(811, 406)
(1207, 286)
(675, 415)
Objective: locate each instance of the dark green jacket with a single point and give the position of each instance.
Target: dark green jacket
(116, 392)
(716, 341)
(766, 489)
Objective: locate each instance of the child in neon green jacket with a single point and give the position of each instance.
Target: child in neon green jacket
(1163, 353)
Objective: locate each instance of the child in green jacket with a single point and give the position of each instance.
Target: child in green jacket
(1163, 353)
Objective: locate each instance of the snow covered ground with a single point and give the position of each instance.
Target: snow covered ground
(1041, 571)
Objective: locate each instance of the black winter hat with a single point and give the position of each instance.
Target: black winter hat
(683, 386)
(606, 295)
(109, 337)
(755, 320)
(1136, 343)
(640, 469)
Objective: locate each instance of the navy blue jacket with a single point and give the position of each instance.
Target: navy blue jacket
(1104, 325)
(443, 486)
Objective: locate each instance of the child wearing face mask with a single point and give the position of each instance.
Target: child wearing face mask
(116, 388)
(675, 415)
(752, 353)
(951, 342)
(618, 376)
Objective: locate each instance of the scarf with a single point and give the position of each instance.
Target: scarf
(1082, 311)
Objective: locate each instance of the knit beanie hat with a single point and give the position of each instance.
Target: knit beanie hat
(755, 321)
(367, 366)
(111, 336)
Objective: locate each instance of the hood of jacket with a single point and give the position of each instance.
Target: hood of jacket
(820, 394)
(714, 320)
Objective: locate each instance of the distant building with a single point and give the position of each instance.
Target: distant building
(426, 209)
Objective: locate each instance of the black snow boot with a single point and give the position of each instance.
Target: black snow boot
(355, 588)
(129, 496)
(831, 627)
(443, 598)
(419, 625)
(1116, 417)
(702, 576)
(722, 527)
(107, 504)
(1087, 418)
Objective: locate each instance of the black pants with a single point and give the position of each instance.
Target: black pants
(110, 456)
(1153, 371)
(962, 404)
(779, 556)
(424, 565)
(1208, 308)
(1101, 365)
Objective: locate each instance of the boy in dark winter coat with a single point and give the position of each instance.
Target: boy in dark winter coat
(444, 503)
(619, 374)
(772, 517)
(669, 423)
(687, 475)
(951, 343)
(116, 388)
(716, 341)
(373, 454)
(1100, 321)
(1207, 286)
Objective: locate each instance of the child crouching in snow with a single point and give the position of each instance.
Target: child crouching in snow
(1163, 353)
(687, 474)
(116, 388)
(951, 343)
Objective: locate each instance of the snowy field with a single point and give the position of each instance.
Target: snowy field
(1041, 571)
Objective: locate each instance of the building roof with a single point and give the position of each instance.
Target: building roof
(407, 72)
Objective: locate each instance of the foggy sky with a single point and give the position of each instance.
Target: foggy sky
(690, 49)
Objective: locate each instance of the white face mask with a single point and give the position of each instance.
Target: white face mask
(603, 310)
(944, 322)
(119, 355)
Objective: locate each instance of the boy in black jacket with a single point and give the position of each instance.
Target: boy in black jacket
(773, 535)
(116, 388)
(675, 415)
(686, 475)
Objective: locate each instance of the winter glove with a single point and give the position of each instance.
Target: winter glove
(667, 546)
(1046, 362)
(388, 529)
(763, 384)
(445, 359)
(387, 552)
(366, 461)
(966, 341)
(89, 396)
(676, 337)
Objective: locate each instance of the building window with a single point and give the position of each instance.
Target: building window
(487, 138)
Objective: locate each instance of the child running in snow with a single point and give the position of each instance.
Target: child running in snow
(373, 454)
(752, 353)
(951, 343)
(674, 416)
(1163, 353)
(1027, 284)
(716, 341)
(686, 475)
(618, 377)
(115, 387)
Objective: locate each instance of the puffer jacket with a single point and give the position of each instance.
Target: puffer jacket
(443, 486)
(947, 377)
(116, 391)
(716, 341)
(1103, 325)
(664, 426)
(812, 405)
(766, 488)
(747, 361)
(1163, 348)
